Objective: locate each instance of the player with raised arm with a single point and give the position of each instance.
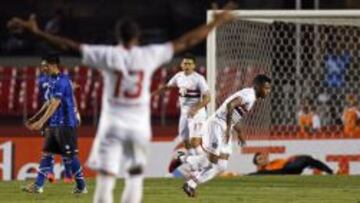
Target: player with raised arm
(124, 129)
(218, 131)
(194, 95)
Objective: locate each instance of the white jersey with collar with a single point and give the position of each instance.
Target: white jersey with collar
(191, 88)
(248, 98)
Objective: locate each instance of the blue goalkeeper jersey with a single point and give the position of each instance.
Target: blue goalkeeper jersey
(61, 89)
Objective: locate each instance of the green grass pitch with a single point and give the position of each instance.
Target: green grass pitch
(275, 189)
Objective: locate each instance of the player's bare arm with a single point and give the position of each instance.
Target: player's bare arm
(201, 104)
(53, 105)
(38, 114)
(162, 89)
(195, 36)
(238, 130)
(229, 111)
(32, 26)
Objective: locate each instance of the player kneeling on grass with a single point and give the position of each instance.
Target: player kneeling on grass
(194, 95)
(216, 135)
(291, 166)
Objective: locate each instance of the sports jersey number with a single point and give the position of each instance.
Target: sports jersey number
(139, 75)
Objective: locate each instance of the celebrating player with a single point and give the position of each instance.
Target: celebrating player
(218, 131)
(124, 129)
(194, 96)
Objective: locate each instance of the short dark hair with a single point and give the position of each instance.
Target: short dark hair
(126, 29)
(51, 58)
(190, 56)
(255, 157)
(261, 79)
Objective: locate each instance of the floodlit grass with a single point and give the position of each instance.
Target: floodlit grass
(275, 189)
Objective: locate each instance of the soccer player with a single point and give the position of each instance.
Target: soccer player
(124, 129)
(60, 135)
(44, 95)
(351, 117)
(194, 95)
(218, 131)
(290, 166)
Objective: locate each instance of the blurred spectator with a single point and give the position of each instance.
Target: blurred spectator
(293, 165)
(55, 25)
(16, 43)
(337, 61)
(351, 117)
(308, 120)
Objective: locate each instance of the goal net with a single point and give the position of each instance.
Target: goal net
(312, 58)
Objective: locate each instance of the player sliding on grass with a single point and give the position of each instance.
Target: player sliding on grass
(124, 130)
(219, 130)
(194, 95)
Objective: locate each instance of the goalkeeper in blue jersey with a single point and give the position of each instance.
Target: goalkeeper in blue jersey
(58, 114)
(44, 81)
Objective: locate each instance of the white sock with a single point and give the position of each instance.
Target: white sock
(104, 189)
(222, 164)
(185, 170)
(133, 189)
(205, 175)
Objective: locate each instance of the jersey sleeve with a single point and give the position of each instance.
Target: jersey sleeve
(204, 87)
(245, 97)
(160, 53)
(173, 81)
(101, 57)
(59, 89)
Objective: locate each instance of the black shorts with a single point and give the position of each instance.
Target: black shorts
(60, 140)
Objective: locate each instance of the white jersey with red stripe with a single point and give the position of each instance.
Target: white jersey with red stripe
(191, 88)
(248, 98)
(127, 77)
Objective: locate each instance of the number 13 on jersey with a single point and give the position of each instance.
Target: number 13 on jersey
(134, 90)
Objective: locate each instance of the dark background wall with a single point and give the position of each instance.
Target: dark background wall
(161, 20)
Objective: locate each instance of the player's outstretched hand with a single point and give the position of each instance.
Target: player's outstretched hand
(28, 124)
(223, 17)
(29, 25)
(36, 125)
